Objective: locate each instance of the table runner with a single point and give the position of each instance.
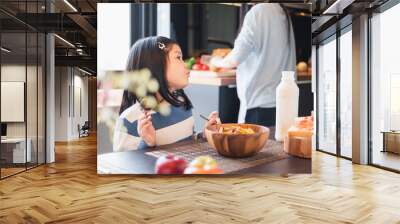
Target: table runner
(272, 151)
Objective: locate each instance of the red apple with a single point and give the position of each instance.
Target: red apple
(205, 68)
(170, 165)
(197, 67)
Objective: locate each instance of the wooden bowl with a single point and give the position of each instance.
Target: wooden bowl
(237, 145)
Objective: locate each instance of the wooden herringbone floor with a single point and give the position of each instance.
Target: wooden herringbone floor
(70, 191)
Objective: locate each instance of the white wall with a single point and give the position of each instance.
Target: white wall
(67, 114)
(84, 82)
(80, 83)
(61, 103)
(12, 73)
(113, 36)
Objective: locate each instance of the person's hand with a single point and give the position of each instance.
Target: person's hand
(213, 118)
(146, 129)
(217, 62)
(223, 63)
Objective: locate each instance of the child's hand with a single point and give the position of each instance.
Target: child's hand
(146, 129)
(213, 118)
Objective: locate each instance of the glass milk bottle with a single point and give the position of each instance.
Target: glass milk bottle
(287, 104)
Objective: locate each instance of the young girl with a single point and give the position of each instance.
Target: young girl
(136, 129)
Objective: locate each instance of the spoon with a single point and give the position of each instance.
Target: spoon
(205, 118)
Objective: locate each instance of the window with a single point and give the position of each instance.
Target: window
(327, 96)
(385, 89)
(113, 56)
(346, 93)
(330, 133)
(22, 87)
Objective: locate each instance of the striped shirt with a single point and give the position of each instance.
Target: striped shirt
(177, 126)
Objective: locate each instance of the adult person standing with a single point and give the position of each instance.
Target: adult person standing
(263, 49)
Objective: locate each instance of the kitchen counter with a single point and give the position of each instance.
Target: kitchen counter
(213, 81)
(211, 78)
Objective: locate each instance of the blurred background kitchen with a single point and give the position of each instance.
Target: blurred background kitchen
(202, 31)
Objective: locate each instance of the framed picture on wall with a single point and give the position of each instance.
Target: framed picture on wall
(12, 100)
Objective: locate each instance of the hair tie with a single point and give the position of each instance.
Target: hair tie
(161, 45)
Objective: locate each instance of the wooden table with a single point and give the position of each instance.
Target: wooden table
(138, 162)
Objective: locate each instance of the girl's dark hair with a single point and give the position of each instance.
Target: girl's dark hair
(152, 53)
